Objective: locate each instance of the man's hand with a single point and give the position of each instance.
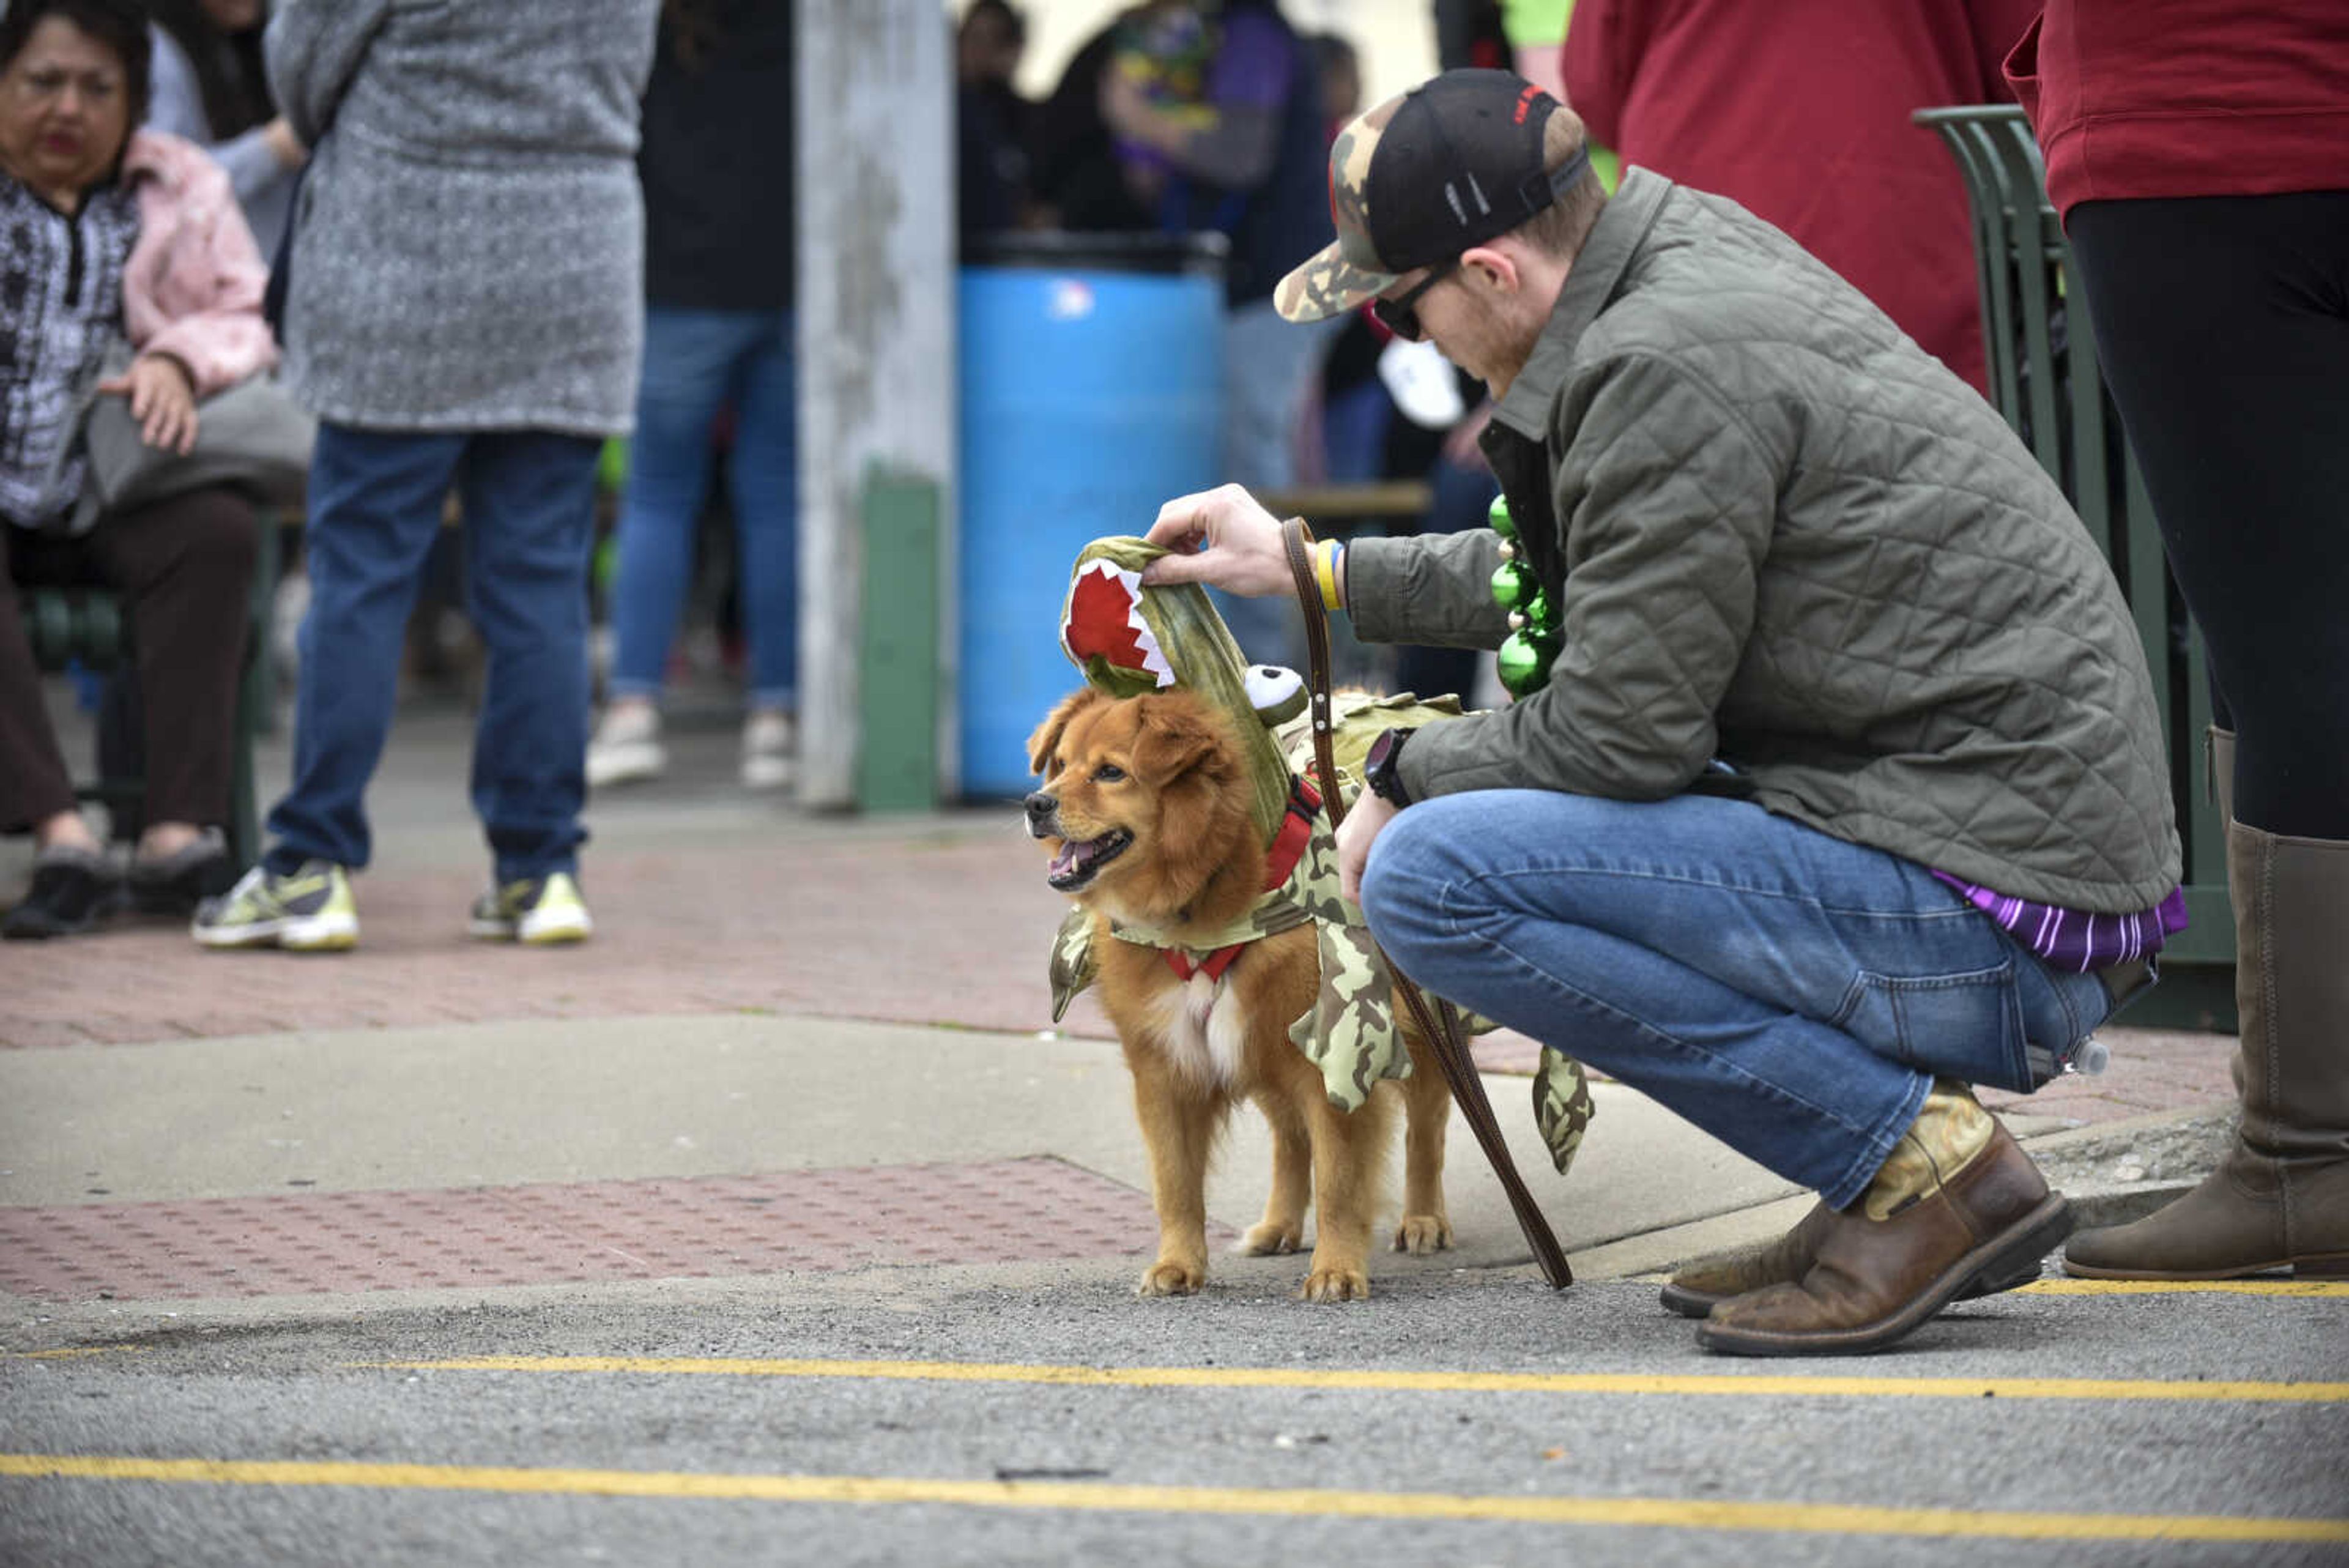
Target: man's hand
(1242, 552)
(1364, 820)
(286, 148)
(163, 399)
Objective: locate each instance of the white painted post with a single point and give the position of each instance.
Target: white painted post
(877, 340)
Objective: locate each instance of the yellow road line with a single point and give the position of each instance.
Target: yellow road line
(1427, 1382)
(1830, 1519)
(74, 1352)
(2338, 1289)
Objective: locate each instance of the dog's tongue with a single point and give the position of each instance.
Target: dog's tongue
(1065, 862)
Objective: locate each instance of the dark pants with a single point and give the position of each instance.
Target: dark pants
(375, 500)
(2223, 326)
(184, 567)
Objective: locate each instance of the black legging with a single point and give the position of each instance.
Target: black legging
(2223, 324)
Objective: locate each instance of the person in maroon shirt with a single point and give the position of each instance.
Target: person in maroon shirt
(1798, 111)
(2199, 152)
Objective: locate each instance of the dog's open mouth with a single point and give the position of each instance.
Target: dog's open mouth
(1078, 863)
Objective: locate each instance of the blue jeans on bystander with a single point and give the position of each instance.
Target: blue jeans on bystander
(1791, 994)
(696, 362)
(529, 500)
(1269, 370)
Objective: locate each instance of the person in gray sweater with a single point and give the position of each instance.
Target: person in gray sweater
(1835, 783)
(466, 309)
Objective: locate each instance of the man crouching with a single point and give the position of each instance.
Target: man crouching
(1835, 783)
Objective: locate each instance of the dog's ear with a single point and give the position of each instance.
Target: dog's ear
(1174, 737)
(1047, 738)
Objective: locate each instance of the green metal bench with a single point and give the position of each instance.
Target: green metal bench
(85, 622)
(2043, 378)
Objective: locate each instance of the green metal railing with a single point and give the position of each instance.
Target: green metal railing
(2044, 379)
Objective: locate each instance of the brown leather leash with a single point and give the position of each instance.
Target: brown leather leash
(1440, 1025)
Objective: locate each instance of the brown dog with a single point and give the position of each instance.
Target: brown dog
(1145, 808)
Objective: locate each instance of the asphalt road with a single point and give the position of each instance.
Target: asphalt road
(900, 1416)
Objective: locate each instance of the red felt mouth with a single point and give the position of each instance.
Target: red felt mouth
(1099, 624)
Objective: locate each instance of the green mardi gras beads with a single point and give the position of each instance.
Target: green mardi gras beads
(1497, 516)
(1524, 663)
(1512, 583)
(1533, 644)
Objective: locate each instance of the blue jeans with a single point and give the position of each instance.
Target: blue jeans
(375, 497)
(1792, 994)
(696, 362)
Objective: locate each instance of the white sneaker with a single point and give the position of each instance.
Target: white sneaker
(309, 911)
(770, 741)
(627, 747)
(536, 911)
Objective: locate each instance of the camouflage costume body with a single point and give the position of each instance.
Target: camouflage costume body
(1131, 641)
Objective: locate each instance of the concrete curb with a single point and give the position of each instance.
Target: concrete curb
(2124, 1170)
(2169, 1151)
(2121, 1203)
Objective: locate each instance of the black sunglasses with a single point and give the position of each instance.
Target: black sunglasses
(1401, 317)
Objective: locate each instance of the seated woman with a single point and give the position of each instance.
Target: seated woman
(104, 233)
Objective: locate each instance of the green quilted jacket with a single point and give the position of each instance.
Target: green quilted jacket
(1782, 535)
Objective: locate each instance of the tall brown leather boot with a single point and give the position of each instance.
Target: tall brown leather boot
(2280, 1199)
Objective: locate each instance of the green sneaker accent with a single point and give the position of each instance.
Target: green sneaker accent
(537, 911)
(307, 910)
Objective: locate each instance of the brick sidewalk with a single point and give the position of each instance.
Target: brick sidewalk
(947, 927)
(705, 903)
(956, 931)
(549, 1233)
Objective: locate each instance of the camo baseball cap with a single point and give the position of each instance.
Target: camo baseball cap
(1452, 163)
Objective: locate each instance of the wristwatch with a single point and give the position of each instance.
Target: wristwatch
(1382, 772)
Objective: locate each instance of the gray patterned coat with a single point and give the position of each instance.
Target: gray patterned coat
(469, 251)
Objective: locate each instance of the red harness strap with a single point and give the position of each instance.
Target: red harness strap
(1212, 966)
(1282, 855)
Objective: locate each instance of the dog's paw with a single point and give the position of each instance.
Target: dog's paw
(1171, 1277)
(1264, 1239)
(1336, 1285)
(1423, 1233)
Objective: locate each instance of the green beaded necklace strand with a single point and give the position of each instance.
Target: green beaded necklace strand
(1533, 639)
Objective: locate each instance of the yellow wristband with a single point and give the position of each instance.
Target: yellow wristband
(1325, 571)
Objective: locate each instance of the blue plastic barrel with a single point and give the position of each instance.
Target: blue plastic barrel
(1091, 383)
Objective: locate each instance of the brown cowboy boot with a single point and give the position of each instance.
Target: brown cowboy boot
(1909, 1246)
(1705, 1282)
(1700, 1285)
(2280, 1199)
(1694, 1290)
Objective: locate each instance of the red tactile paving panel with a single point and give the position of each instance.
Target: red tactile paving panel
(335, 1243)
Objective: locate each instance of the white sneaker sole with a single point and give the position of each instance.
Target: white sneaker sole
(548, 933)
(553, 932)
(766, 772)
(331, 933)
(629, 762)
